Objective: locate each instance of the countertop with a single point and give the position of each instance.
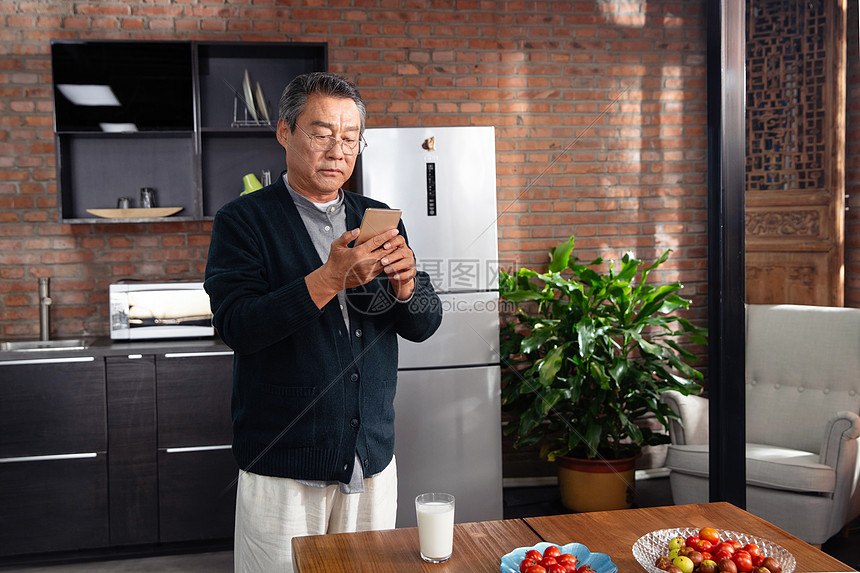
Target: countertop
(104, 346)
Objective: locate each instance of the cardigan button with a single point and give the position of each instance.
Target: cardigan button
(358, 333)
(354, 422)
(345, 467)
(353, 377)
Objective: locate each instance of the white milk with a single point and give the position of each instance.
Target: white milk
(436, 529)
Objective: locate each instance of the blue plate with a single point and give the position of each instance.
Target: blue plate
(599, 561)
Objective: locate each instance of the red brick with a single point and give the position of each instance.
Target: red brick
(173, 241)
(16, 300)
(177, 268)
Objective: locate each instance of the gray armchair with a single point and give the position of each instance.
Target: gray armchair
(802, 423)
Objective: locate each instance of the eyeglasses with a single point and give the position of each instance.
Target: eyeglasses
(327, 142)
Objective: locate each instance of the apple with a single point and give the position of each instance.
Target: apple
(683, 563)
(676, 543)
(727, 565)
(708, 566)
(662, 563)
(674, 553)
(673, 569)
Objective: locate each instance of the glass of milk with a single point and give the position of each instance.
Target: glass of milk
(435, 512)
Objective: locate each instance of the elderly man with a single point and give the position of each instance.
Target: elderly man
(313, 321)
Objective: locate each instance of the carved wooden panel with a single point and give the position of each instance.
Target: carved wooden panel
(795, 151)
(798, 277)
(766, 223)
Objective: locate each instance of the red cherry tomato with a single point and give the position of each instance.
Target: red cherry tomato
(752, 549)
(725, 545)
(556, 568)
(586, 569)
(703, 545)
(551, 551)
(743, 561)
(547, 561)
(735, 543)
(710, 534)
(535, 569)
(757, 560)
(569, 567)
(527, 562)
(692, 540)
(566, 558)
(534, 554)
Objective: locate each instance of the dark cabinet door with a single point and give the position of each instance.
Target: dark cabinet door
(52, 406)
(196, 494)
(132, 467)
(194, 399)
(196, 470)
(53, 505)
(53, 462)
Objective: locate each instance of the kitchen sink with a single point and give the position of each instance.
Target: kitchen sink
(39, 345)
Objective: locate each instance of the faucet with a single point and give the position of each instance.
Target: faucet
(44, 308)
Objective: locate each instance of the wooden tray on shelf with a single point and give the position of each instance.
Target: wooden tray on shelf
(136, 213)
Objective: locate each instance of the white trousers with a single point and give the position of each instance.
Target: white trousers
(271, 511)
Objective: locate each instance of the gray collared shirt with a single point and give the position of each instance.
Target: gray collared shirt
(325, 222)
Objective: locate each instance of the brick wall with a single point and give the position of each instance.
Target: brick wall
(599, 109)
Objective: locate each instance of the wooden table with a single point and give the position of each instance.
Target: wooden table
(480, 546)
(477, 547)
(607, 531)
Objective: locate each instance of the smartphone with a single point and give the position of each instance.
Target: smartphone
(377, 221)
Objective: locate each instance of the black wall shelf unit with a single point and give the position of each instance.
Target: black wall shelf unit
(167, 115)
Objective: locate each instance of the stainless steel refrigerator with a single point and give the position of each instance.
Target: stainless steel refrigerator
(447, 407)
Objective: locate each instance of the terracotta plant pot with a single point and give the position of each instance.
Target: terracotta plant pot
(596, 485)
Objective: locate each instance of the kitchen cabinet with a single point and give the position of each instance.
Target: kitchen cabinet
(53, 455)
(196, 470)
(175, 120)
(126, 448)
(132, 467)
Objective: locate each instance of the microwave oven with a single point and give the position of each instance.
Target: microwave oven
(140, 311)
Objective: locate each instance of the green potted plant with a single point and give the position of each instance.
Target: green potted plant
(586, 356)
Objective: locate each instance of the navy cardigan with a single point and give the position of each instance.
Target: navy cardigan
(307, 394)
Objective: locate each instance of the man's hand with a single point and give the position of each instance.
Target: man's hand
(351, 267)
(399, 265)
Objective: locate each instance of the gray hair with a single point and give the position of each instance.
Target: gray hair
(297, 92)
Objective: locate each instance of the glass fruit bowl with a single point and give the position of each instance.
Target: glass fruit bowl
(599, 561)
(652, 545)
